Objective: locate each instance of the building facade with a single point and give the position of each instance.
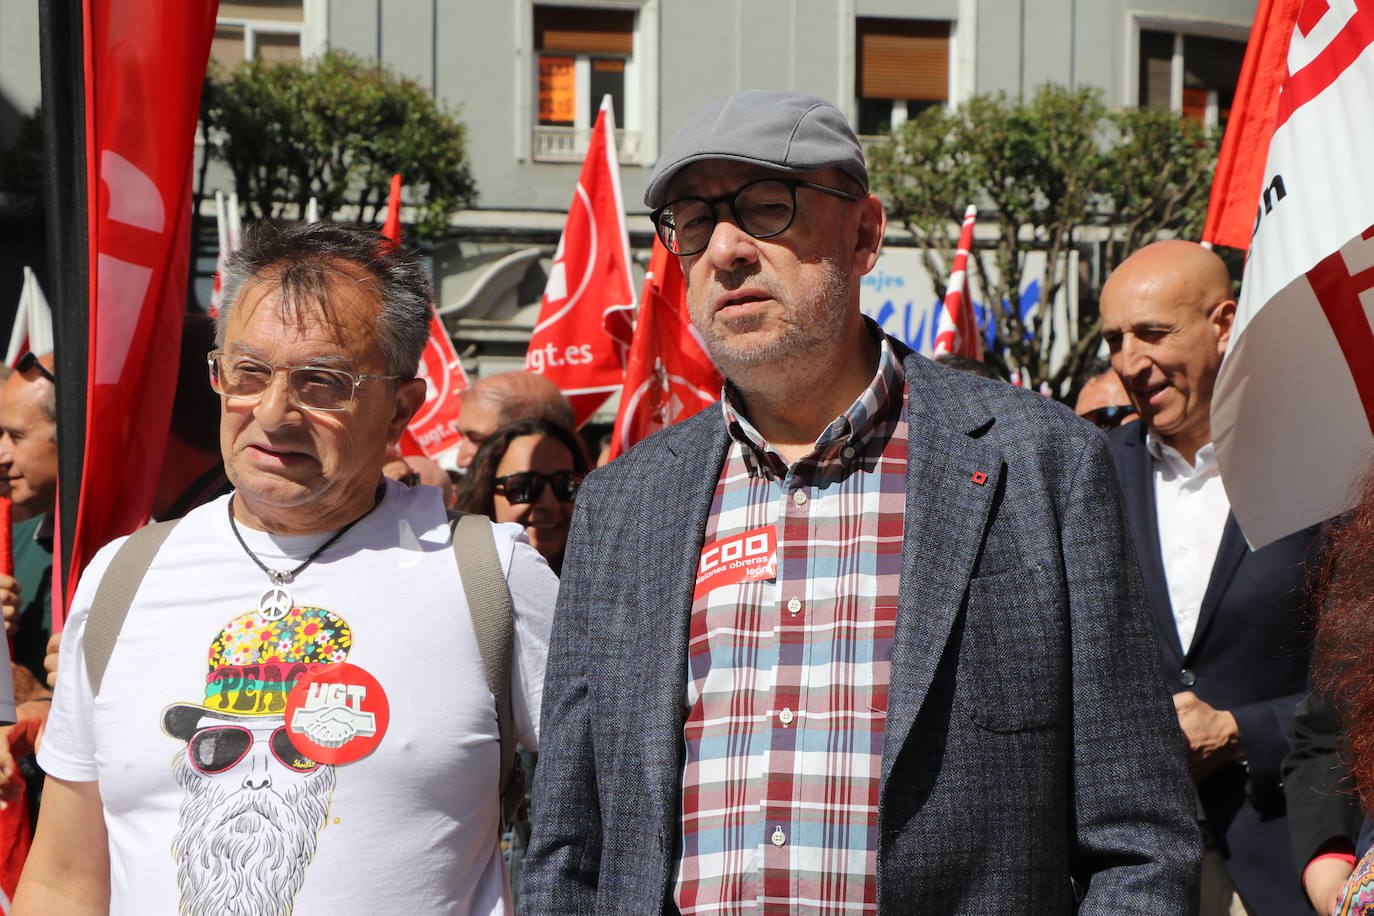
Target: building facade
(527, 76)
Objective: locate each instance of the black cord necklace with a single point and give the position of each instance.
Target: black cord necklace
(277, 601)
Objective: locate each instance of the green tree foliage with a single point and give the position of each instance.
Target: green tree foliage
(1054, 173)
(336, 128)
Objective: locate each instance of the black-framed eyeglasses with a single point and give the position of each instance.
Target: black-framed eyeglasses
(29, 361)
(309, 387)
(528, 486)
(763, 209)
(1110, 417)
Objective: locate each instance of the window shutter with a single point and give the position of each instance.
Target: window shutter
(903, 59)
(571, 29)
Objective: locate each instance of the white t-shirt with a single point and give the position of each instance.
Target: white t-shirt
(212, 805)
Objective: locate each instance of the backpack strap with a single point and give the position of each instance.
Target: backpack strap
(115, 594)
(484, 584)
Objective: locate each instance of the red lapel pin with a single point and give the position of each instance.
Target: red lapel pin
(979, 478)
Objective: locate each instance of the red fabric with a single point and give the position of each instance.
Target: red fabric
(144, 65)
(16, 836)
(668, 375)
(392, 228)
(435, 427)
(586, 322)
(1245, 147)
(958, 329)
(6, 536)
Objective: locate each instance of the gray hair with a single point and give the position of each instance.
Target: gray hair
(303, 259)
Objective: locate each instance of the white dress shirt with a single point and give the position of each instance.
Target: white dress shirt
(1191, 508)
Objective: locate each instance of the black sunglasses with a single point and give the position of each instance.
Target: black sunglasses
(1110, 417)
(527, 486)
(29, 361)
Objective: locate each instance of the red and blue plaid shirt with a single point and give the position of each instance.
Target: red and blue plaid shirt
(788, 684)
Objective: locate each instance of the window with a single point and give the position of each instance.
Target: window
(903, 69)
(1194, 74)
(582, 56)
(268, 30)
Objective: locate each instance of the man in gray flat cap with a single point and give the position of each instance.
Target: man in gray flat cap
(864, 637)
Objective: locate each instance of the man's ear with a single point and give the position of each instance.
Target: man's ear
(410, 397)
(1222, 319)
(869, 238)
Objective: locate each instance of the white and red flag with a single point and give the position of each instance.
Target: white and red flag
(957, 332)
(434, 430)
(668, 375)
(1293, 410)
(32, 329)
(228, 229)
(581, 340)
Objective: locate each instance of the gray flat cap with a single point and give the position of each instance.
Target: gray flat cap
(787, 131)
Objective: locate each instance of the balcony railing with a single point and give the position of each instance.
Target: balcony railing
(569, 144)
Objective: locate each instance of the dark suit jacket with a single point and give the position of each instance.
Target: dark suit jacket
(1025, 743)
(1318, 787)
(1249, 656)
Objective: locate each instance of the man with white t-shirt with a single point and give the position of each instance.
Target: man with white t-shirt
(1229, 619)
(295, 718)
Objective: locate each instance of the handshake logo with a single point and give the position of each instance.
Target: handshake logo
(332, 715)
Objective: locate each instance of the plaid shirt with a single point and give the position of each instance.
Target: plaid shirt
(787, 692)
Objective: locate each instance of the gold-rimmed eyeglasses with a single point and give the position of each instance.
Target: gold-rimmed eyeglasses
(309, 387)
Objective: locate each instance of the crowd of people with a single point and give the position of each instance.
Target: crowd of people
(872, 634)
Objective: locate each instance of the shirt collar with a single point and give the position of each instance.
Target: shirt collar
(1204, 462)
(850, 429)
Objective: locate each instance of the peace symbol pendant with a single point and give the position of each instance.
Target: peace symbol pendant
(275, 603)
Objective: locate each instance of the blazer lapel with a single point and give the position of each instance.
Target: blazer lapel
(1230, 552)
(946, 517)
(688, 468)
(1138, 492)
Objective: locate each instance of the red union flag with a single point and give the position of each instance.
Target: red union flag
(434, 429)
(957, 331)
(1293, 411)
(668, 376)
(144, 63)
(587, 317)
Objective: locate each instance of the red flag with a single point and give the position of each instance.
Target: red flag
(586, 321)
(668, 375)
(958, 330)
(144, 63)
(1240, 167)
(1293, 407)
(434, 430)
(392, 227)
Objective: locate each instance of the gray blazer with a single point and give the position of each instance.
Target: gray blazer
(1032, 754)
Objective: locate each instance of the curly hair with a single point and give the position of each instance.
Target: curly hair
(1343, 647)
(479, 484)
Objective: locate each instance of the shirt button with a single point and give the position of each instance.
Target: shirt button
(799, 497)
(794, 605)
(848, 451)
(786, 717)
(778, 836)
(1187, 678)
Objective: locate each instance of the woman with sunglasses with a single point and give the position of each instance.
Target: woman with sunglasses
(528, 472)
